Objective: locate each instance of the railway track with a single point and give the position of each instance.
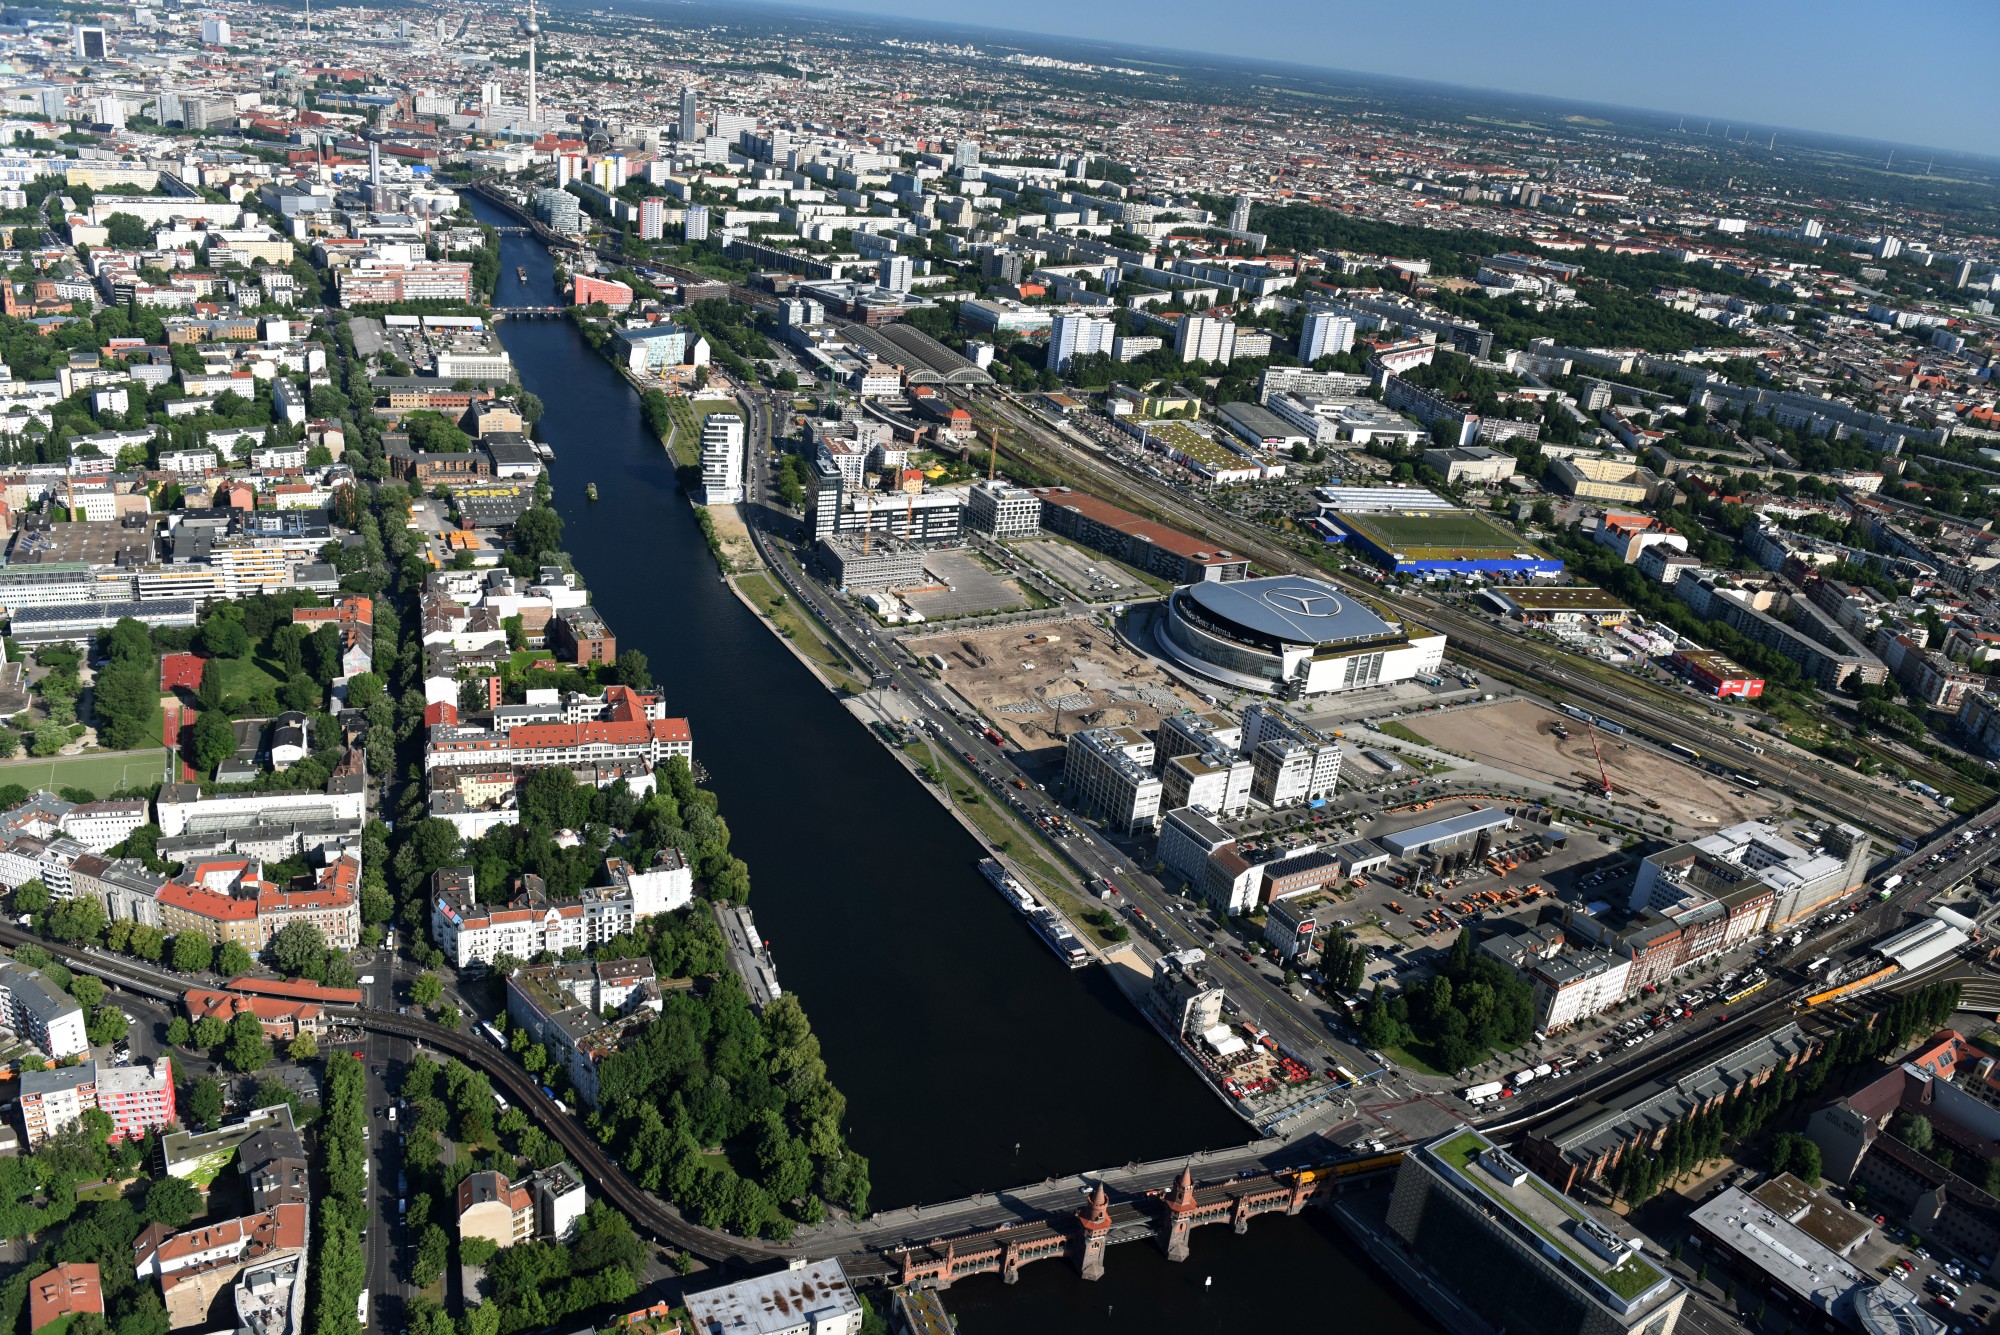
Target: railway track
(649, 1214)
(1666, 720)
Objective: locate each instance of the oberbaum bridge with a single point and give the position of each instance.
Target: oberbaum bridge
(1167, 1215)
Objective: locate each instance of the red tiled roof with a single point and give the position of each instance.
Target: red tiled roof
(69, 1288)
(300, 989)
(207, 903)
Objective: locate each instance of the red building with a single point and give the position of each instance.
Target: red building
(584, 289)
(1717, 675)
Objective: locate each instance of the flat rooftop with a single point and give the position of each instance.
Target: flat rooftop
(1558, 1223)
(1568, 598)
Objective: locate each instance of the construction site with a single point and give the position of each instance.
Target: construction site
(1527, 738)
(1046, 680)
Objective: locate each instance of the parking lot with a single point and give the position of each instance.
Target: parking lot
(965, 587)
(1091, 577)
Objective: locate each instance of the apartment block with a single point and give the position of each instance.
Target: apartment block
(563, 1007)
(35, 1008)
(137, 1098)
(470, 932)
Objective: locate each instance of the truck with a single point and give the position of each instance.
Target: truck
(1544, 1070)
(1480, 1093)
(993, 735)
(1817, 964)
(1523, 1078)
(1891, 882)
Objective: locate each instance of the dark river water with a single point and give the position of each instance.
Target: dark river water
(970, 1058)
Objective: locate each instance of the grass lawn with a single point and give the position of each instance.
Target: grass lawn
(1018, 840)
(243, 679)
(101, 772)
(797, 627)
(1394, 729)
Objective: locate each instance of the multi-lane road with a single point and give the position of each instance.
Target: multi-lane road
(1297, 1022)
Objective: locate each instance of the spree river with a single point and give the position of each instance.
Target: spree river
(970, 1058)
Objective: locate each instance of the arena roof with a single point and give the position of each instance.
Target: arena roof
(1289, 608)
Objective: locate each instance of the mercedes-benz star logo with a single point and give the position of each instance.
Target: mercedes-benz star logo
(1304, 604)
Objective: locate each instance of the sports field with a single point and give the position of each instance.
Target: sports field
(102, 772)
(1435, 535)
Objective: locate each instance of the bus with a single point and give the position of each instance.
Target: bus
(361, 1309)
(1818, 964)
(488, 1029)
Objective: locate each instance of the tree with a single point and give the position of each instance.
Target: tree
(634, 670)
(87, 990)
(209, 1032)
(1915, 1131)
(433, 1251)
(193, 953)
(303, 1048)
(123, 699)
(30, 897)
(203, 1102)
(107, 1025)
(475, 1250)
(298, 948)
(48, 738)
(172, 1201)
(427, 990)
(179, 1032)
(127, 231)
(538, 532)
(214, 739)
(247, 1049)
(224, 637)
(450, 1017)
(233, 959)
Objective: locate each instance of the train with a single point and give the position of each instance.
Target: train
(1687, 751)
(1745, 780)
(1750, 746)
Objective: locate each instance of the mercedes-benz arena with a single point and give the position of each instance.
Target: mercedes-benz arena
(1290, 636)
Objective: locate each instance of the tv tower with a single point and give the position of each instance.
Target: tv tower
(533, 29)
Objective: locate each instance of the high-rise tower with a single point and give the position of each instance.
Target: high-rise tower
(690, 125)
(533, 28)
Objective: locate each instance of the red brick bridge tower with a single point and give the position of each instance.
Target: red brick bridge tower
(1095, 1220)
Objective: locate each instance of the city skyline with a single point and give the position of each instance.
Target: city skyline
(1772, 73)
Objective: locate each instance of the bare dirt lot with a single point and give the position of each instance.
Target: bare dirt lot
(1043, 676)
(1520, 736)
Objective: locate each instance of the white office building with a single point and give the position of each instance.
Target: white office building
(895, 272)
(722, 459)
(1324, 335)
(1204, 338)
(1108, 773)
(1072, 336)
(1002, 510)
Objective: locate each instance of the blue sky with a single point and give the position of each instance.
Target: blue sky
(1906, 74)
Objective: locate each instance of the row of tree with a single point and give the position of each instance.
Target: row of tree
(339, 1266)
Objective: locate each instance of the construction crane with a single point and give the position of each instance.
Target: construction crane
(1603, 775)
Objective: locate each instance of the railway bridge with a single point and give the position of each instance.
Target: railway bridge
(528, 312)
